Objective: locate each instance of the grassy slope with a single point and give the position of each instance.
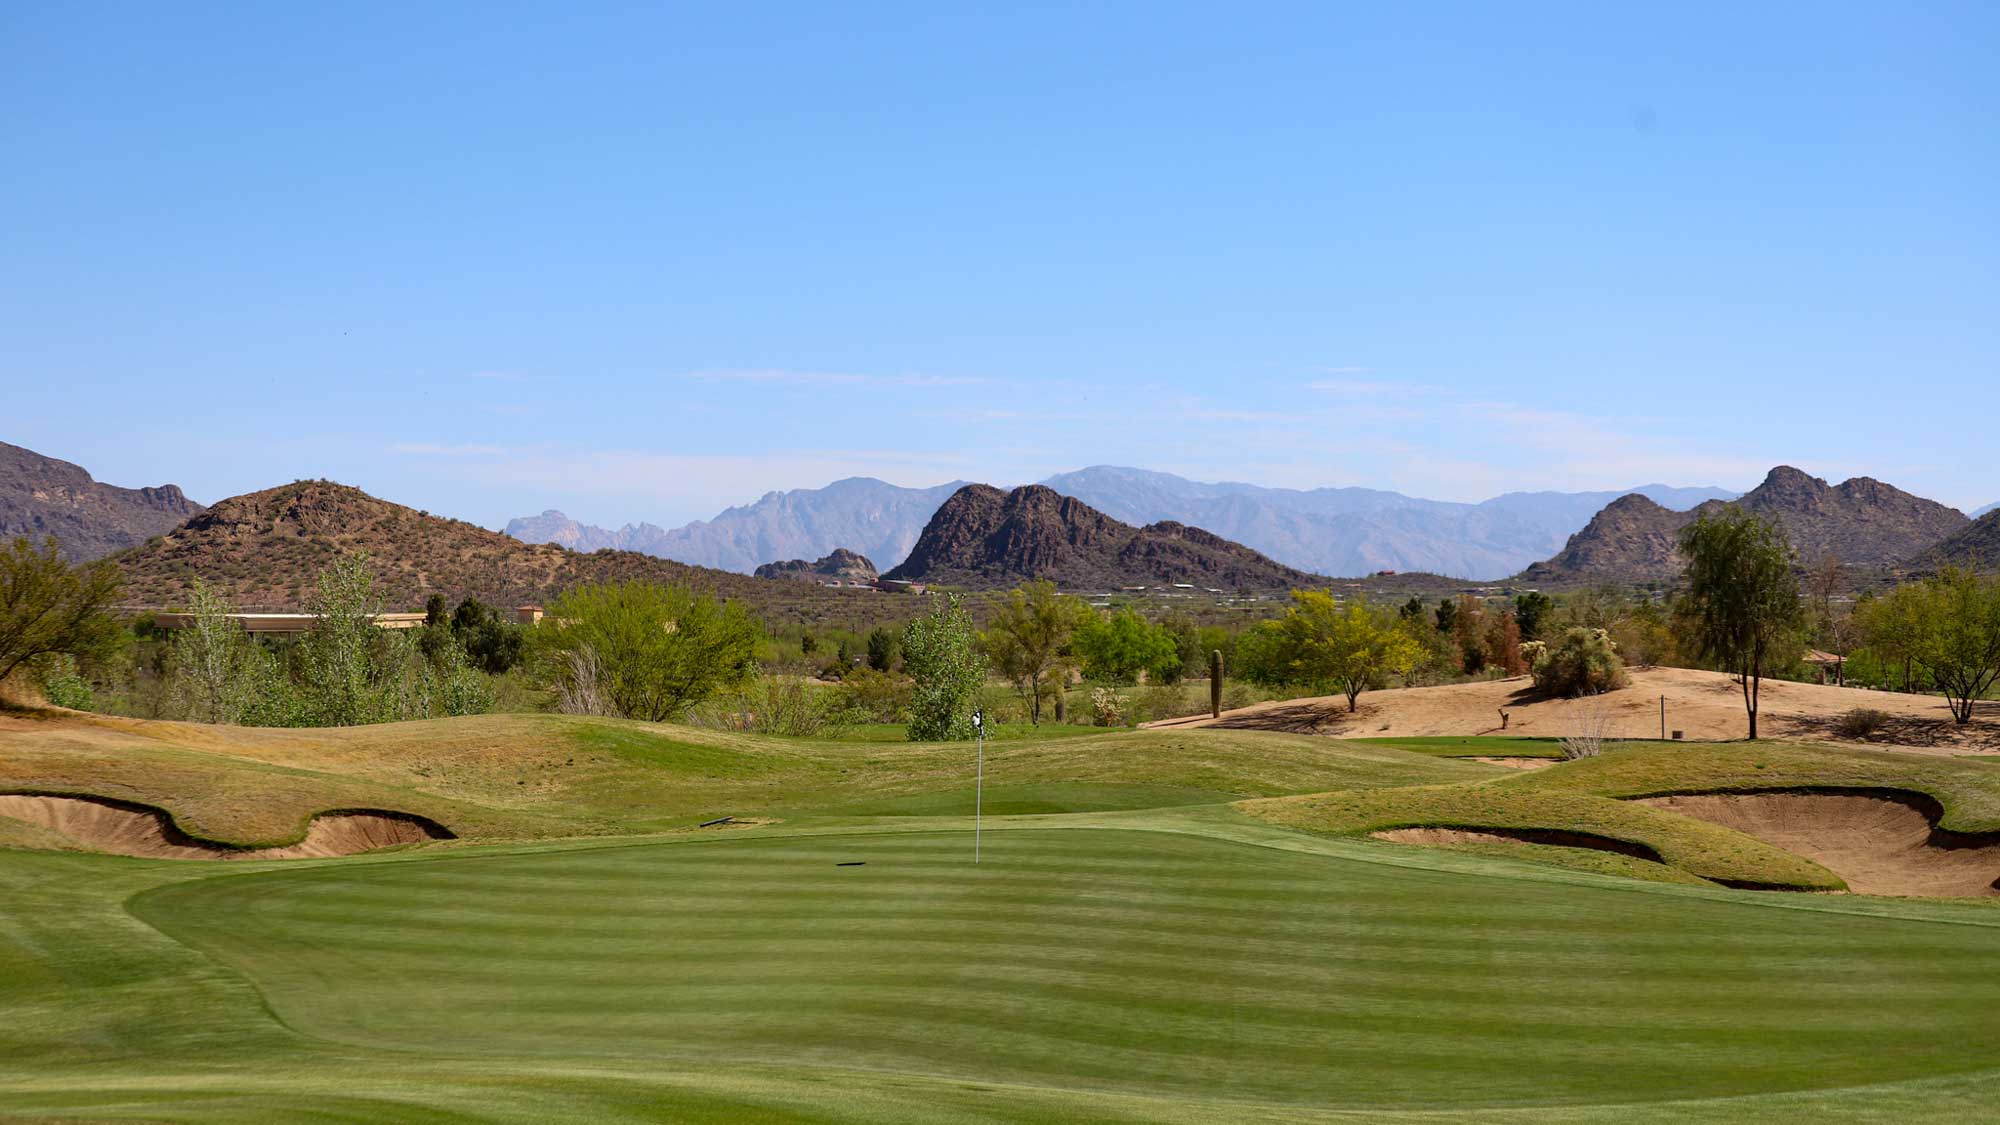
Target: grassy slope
(1211, 969)
(1159, 963)
(537, 776)
(1589, 796)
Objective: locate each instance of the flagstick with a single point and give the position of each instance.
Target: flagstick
(978, 785)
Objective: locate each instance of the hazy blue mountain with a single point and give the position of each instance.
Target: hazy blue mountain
(1351, 531)
(1337, 531)
(1993, 507)
(861, 514)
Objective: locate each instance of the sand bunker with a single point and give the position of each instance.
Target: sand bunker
(125, 828)
(1438, 837)
(1516, 763)
(1881, 842)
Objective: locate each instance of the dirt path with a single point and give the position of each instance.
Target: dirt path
(1703, 705)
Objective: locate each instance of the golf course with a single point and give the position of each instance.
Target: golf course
(1162, 925)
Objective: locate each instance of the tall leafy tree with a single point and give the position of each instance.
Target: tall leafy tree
(1029, 638)
(49, 607)
(939, 654)
(1742, 600)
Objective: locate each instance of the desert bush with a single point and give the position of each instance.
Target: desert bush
(1107, 707)
(781, 705)
(1169, 701)
(1579, 662)
(1586, 728)
(877, 697)
(1861, 723)
(63, 685)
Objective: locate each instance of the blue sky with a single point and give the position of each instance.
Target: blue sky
(643, 262)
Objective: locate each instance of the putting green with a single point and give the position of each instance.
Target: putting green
(1157, 965)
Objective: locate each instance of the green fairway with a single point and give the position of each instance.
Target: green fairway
(1132, 947)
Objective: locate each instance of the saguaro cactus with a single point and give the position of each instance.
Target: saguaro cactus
(1215, 683)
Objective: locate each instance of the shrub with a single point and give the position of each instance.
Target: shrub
(643, 651)
(1107, 707)
(877, 697)
(1580, 662)
(63, 685)
(1861, 724)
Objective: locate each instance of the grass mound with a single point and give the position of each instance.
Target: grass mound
(1603, 797)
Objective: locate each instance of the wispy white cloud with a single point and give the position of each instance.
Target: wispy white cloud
(431, 449)
(836, 379)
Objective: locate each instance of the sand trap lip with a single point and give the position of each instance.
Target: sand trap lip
(1436, 836)
(132, 829)
(1879, 841)
(1515, 763)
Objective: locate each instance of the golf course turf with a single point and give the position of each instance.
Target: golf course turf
(1132, 946)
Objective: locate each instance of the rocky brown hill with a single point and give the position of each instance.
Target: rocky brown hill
(1975, 547)
(263, 550)
(984, 538)
(41, 496)
(1862, 522)
(842, 565)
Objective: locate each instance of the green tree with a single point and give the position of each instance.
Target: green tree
(1029, 638)
(1447, 616)
(48, 606)
(1530, 611)
(1117, 646)
(213, 662)
(883, 645)
(340, 667)
(1948, 628)
(649, 651)
(1349, 647)
(939, 654)
(1742, 599)
(492, 643)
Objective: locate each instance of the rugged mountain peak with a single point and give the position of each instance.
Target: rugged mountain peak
(42, 496)
(1862, 521)
(983, 537)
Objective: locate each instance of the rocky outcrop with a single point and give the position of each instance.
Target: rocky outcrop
(842, 565)
(983, 538)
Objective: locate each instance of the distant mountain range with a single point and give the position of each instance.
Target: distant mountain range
(1861, 522)
(861, 514)
(41, 496)
(983, 538)
(1993, 507)
(1341, 531)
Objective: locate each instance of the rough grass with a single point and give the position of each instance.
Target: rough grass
(495, 777)
(1473, 746)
